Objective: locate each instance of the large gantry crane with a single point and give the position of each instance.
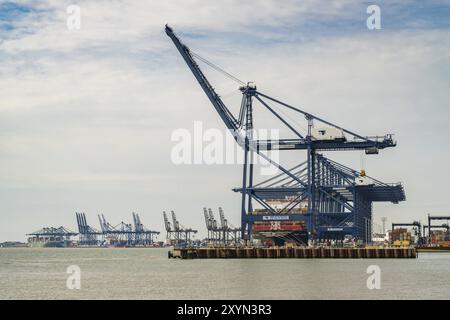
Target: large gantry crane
(170, 234)
(176, 233)
(142, 235)
(87, 234)
(51, 236)
(224, 234)
(339, 199)
(229, 232)
(124, 234)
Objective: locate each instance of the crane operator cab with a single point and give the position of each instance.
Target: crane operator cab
(327, 134)
(363, 180)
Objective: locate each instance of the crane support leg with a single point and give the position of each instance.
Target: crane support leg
(244, 193)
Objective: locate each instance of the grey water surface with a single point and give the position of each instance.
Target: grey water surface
(147, 273)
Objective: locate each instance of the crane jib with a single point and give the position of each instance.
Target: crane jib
(371, 145)
(224, 113)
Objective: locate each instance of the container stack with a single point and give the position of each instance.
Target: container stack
(400, 237)
(440, 238)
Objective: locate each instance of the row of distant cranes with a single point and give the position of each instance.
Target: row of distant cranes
(339, 199)
(123, 234)
(177, 233)
(225, 233)
(218, 234)
(136, 234)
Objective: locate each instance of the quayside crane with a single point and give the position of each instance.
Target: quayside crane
(337, 199)
(229, 232)
(170, 233)
(223, 234)
(176, 233)
(124, 234)
(142, 235)
(88, 235)
(208, 223)
(54, 232)
(214, 226)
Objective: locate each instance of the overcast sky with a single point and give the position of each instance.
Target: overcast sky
(86, 116)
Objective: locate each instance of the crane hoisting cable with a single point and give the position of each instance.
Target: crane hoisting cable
(217, 68)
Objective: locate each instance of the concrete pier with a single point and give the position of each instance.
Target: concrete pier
(293, 252)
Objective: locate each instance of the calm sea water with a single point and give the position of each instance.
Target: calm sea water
(33, 273)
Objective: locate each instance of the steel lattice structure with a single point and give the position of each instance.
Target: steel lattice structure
(177, 234)
(124, 233)
(88, 235)
(339, 199)
(223, 234)
(54, 232)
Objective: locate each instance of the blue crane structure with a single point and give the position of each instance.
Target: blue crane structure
(339, 199)
(54, 232)
(88, 235)
(211, 226)
(51, 236)
(177, 234)
(126, 234)
(142, 235)
(223, 234)
(229, 233)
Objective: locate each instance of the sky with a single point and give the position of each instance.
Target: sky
(86, 115)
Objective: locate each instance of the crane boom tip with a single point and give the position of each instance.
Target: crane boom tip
(168, 29)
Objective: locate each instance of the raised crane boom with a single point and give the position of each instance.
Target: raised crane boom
(370, 144)
(223, 221)
(207, 220)
(166, 222)
(212, 219)
(176, 224)
(225, 114)
(309, 184)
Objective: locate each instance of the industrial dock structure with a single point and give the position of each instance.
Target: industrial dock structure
(318, 199)
(51, 237)
(177, 234)
(318, 208)
(120, 235)
(221, 235)
(293, 252)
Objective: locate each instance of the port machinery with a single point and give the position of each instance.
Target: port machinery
(121, 234)
(177, 234)
(225, 233)
(339, 199)
(430, 226)
(126, 234)
(52, 232)
(88, 236)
